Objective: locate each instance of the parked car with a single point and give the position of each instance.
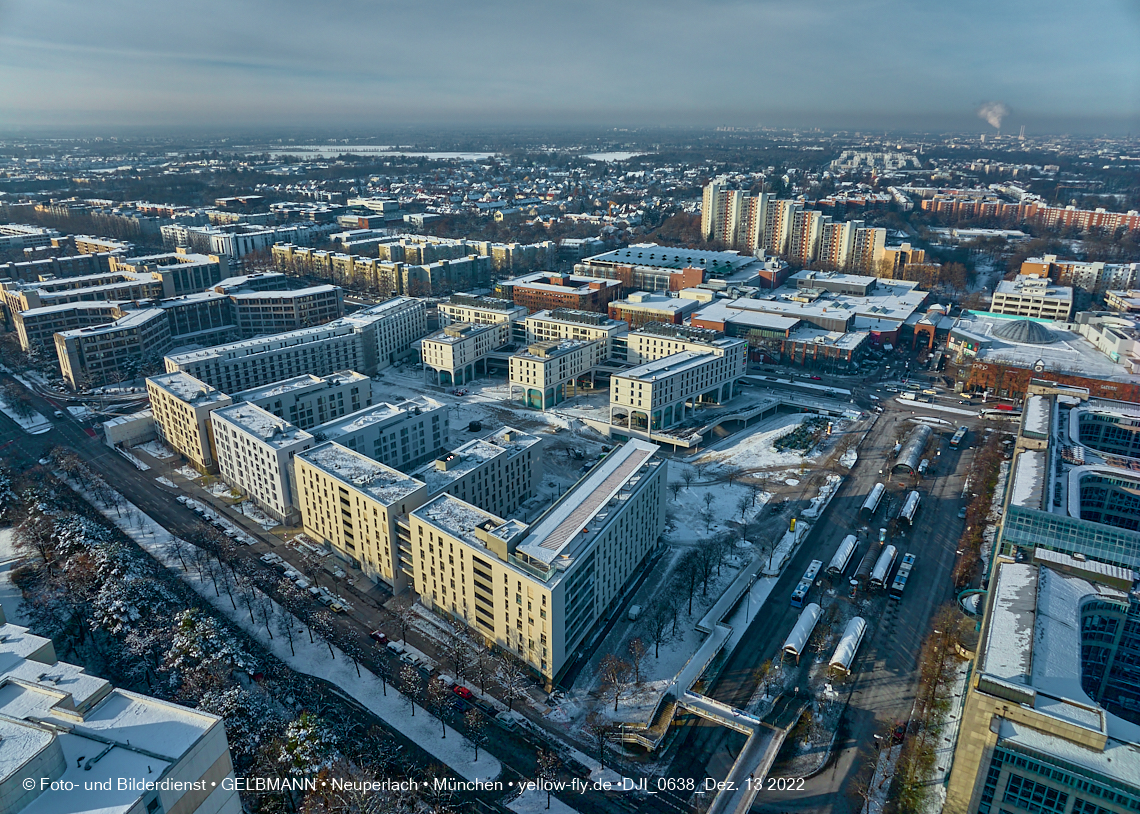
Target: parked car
(57, 413)
(962, 513)
(336, 607)
(634, 612)
(816, 378)
(378, 636)
(463, 692)
(899, 734)
(182, 499)
(506, 721)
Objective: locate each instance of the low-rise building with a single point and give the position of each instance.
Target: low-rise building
(1124, 302)
(255, 452)
(351, 503)
(537, 591)
(455, 354)
(70, 741)
(306, 401)
(539, 376)
(181, 406)
(658, 395)
(1034, 297)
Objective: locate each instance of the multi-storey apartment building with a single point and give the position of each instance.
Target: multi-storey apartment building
(306, 401)
(538, 590)
(37, 327)
(366, 341)
(497, 473)
(352, 503)
(567, 323)
(539, 376)
(255, 452)
(734, 217)
(1123, 302)
(70, 740)
(16, 236)
(1084, 275)
(272, 312)
(54, 267)
(114, 352)
(87, 244)
(542, 290)
(453, 355)
(402, 435)
(660, 394)
(658, 341)
(181, 406)
(479, 310)
(1033, 297)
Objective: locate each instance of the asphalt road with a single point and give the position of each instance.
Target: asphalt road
(883, 681)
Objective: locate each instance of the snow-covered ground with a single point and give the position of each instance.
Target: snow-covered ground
(756, 450)
(313, 658)
(136, 462)
(33, 424)
(188, 472)
(256, 515)
(156, 449)
(166, 482)
(11, 600)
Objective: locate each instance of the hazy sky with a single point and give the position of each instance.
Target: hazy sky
(1058, 65)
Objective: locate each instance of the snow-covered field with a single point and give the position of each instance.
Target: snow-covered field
(756, 450)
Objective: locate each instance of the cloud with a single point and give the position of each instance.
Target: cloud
(354, 62)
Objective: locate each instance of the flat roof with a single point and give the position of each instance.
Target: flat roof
(306, 381)
(268, 428)
(655, 302)
(185, 387)
(668, 257)
(131, 319)
(473, 454)
(567, 526)
(723, 311)
(461, 520)
(379, 482)
(668, 365)
(380, 413)
(1029, 286)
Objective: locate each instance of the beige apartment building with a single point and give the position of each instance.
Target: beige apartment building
(540, 376)
(497, 473)
(306, 401)
(588, 326)
(659, 341)
(352, 503)
(114, 352)
(181, 406)
(537, 590)
(1033, 297)
(660, 394)
(456, 354)
(479, 310)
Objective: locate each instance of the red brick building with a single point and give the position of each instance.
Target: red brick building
(544, 290)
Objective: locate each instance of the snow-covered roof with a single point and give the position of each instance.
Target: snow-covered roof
(1036, 415)
(185, 387)
(261, 424)
(378, 414)
(667, 366)
(373, 479)
(1009, 633)
(582, 512)
(1028, 481)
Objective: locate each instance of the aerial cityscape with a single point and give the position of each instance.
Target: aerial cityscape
(552, 418)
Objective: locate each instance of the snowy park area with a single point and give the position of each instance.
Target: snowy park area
(156, 449)
(756, 450)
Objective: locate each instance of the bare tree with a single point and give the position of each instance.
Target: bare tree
(383, 672)
(701, 468)
(658, 626)
(547, 769)
(439, 695)
(599, 728)
(405, 617)
(614, 673)
(286, 627)
(513, 680)
(706, 515)
(689, 572)
(322, 622)
(410, 677)
(687, 475)
(482, 667)
(742, 506)
(476, 724)
(457, 650)
(675, 487)
(637, 653)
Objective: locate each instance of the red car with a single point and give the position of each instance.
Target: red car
(379, 637)
(463, 692)
(817, 378)
(899, 734)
